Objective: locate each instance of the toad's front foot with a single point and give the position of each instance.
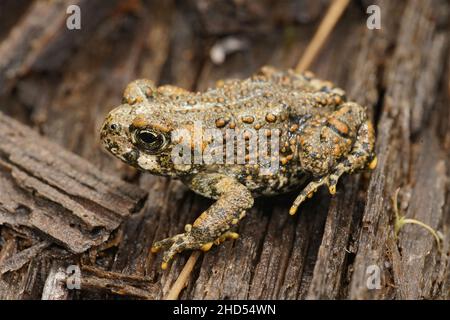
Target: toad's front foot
(212, 226)
(189, 240)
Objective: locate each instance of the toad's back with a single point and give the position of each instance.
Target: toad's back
(270, 103)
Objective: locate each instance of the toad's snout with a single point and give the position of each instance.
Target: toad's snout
(114, 131)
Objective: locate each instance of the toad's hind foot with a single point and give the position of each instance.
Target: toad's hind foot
(308, 192)
(329, 180)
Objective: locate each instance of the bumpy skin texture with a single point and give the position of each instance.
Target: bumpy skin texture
(321, 137)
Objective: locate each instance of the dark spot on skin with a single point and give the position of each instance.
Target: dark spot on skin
(112, 145)
(132, 156)
(131, 128)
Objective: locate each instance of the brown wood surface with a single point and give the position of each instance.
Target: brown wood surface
(60, 84)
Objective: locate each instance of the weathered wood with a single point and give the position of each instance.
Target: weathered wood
(55, 287)
(339, 243)
(116, 283)
(19, 260)
(419, 46)
(57, 194)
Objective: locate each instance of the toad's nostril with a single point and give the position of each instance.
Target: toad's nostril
(114, 127)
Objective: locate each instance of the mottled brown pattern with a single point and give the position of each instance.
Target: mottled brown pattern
(321, 137)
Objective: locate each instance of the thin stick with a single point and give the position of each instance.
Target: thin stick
(326, 26)
(329, 21)
(182, 279)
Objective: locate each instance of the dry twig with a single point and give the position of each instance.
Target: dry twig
(326, 26)
(182, 279)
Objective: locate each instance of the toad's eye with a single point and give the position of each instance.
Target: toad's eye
(150, 141)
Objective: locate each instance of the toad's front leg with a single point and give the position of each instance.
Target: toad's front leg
(212, 226)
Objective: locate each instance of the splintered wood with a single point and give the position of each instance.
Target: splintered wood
(57, 195)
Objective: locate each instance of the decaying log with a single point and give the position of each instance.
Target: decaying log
(58, 195)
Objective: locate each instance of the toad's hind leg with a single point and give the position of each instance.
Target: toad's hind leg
(212, 226)
(361, 156)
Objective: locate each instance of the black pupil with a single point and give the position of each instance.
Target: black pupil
(147, 137)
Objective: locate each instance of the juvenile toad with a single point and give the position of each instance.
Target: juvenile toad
(318, 134)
